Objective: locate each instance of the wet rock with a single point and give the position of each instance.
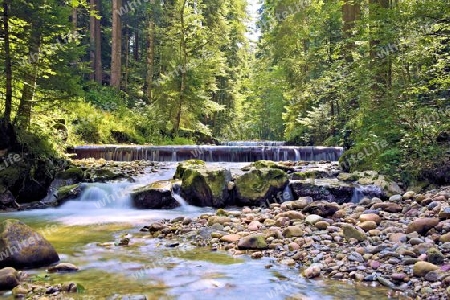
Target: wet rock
(63, 267)
(445, 238)
(322, 225)
(257, 254)
(24, 247)
(157, 195)
(422, 225)
(218, 220)
(68, 192)
(9, 278)
(421, 268)
(435, 256)
(313, 219)
(230, 238)
(368, 225)
(312, 272)
(254, 226)
(370, 217)
(409, 195)
(292, 231)
(395, 198)
(445, 213)
(388, 207)
(260, 185)
(328, 190)
(355, 256)
(322, 208)
(252, 242)
(204, 185)
(351, 232)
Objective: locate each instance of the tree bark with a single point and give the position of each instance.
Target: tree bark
(8, 64)
(150, 59)
(183, 70)
(96, 42)
(351, 12)
(116, 49)
(23, 117)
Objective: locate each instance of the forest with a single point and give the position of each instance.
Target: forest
(372, 76)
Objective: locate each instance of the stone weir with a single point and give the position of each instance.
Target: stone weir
(208, 153)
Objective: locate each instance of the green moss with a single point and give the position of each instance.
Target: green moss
(255, 184)
(67, 192)
(72, 173)
(189, 164)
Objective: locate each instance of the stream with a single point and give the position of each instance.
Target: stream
(83, 232)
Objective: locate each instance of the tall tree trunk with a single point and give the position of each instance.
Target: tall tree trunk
(8, 64)
(382, 67)
(98, 71)
(136, 45)
(74, 20)
(183, 70)
(23, 117)
(150, 59)
(116, 49)
(127, 59)
(351, 11)
(96, 42)
(92, 38)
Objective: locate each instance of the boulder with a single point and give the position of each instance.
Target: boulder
(68, 192)
(7, 199)
(9, 279)
(351, 232)
(204, 185)
(63, 267)
(323, 189)
(22, 247)
(292, 231)
(422, 225)
(252, 242)
(421, 268)
(322, 208)
(157, 195)
(259, 186)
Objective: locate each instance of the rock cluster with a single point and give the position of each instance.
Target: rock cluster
(403, 244)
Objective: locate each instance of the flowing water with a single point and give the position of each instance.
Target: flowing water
(84, 230)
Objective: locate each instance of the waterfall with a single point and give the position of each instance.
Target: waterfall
(208, 153)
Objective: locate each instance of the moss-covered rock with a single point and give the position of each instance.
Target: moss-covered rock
(268, 164)
(189, 164)
(324, 189)
(68, 192)
(204, 185)
(252, 242)
(22, 247)
(157, 195)
(73, 173)
(260, 185)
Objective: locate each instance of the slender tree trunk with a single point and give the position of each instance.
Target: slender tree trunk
(382, 67)
(183, 70)
(127, 59)
(98, 70)
(23, 117)
(351, 12)
(96, 42)
(92, 38)
(136, 45)
(8, 64)
(74, 20)
(116, 50)
(150, 59)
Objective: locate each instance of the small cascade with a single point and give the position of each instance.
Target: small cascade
(358, 195)
(297, 155)
(369, 191)
(254, 143)
(101, 195)
(208, 153)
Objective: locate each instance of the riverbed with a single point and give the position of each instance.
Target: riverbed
(85, 231)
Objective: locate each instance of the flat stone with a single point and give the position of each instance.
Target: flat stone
(421, 268)
(422, 225)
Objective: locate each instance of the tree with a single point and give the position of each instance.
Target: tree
(116, 49)
(8, 64)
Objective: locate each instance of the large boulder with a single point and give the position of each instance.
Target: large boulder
(22, 247)
(204, 185)
(9, 279)
(258, 186)
(157, 195)
(323, 189)
(7, 200)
